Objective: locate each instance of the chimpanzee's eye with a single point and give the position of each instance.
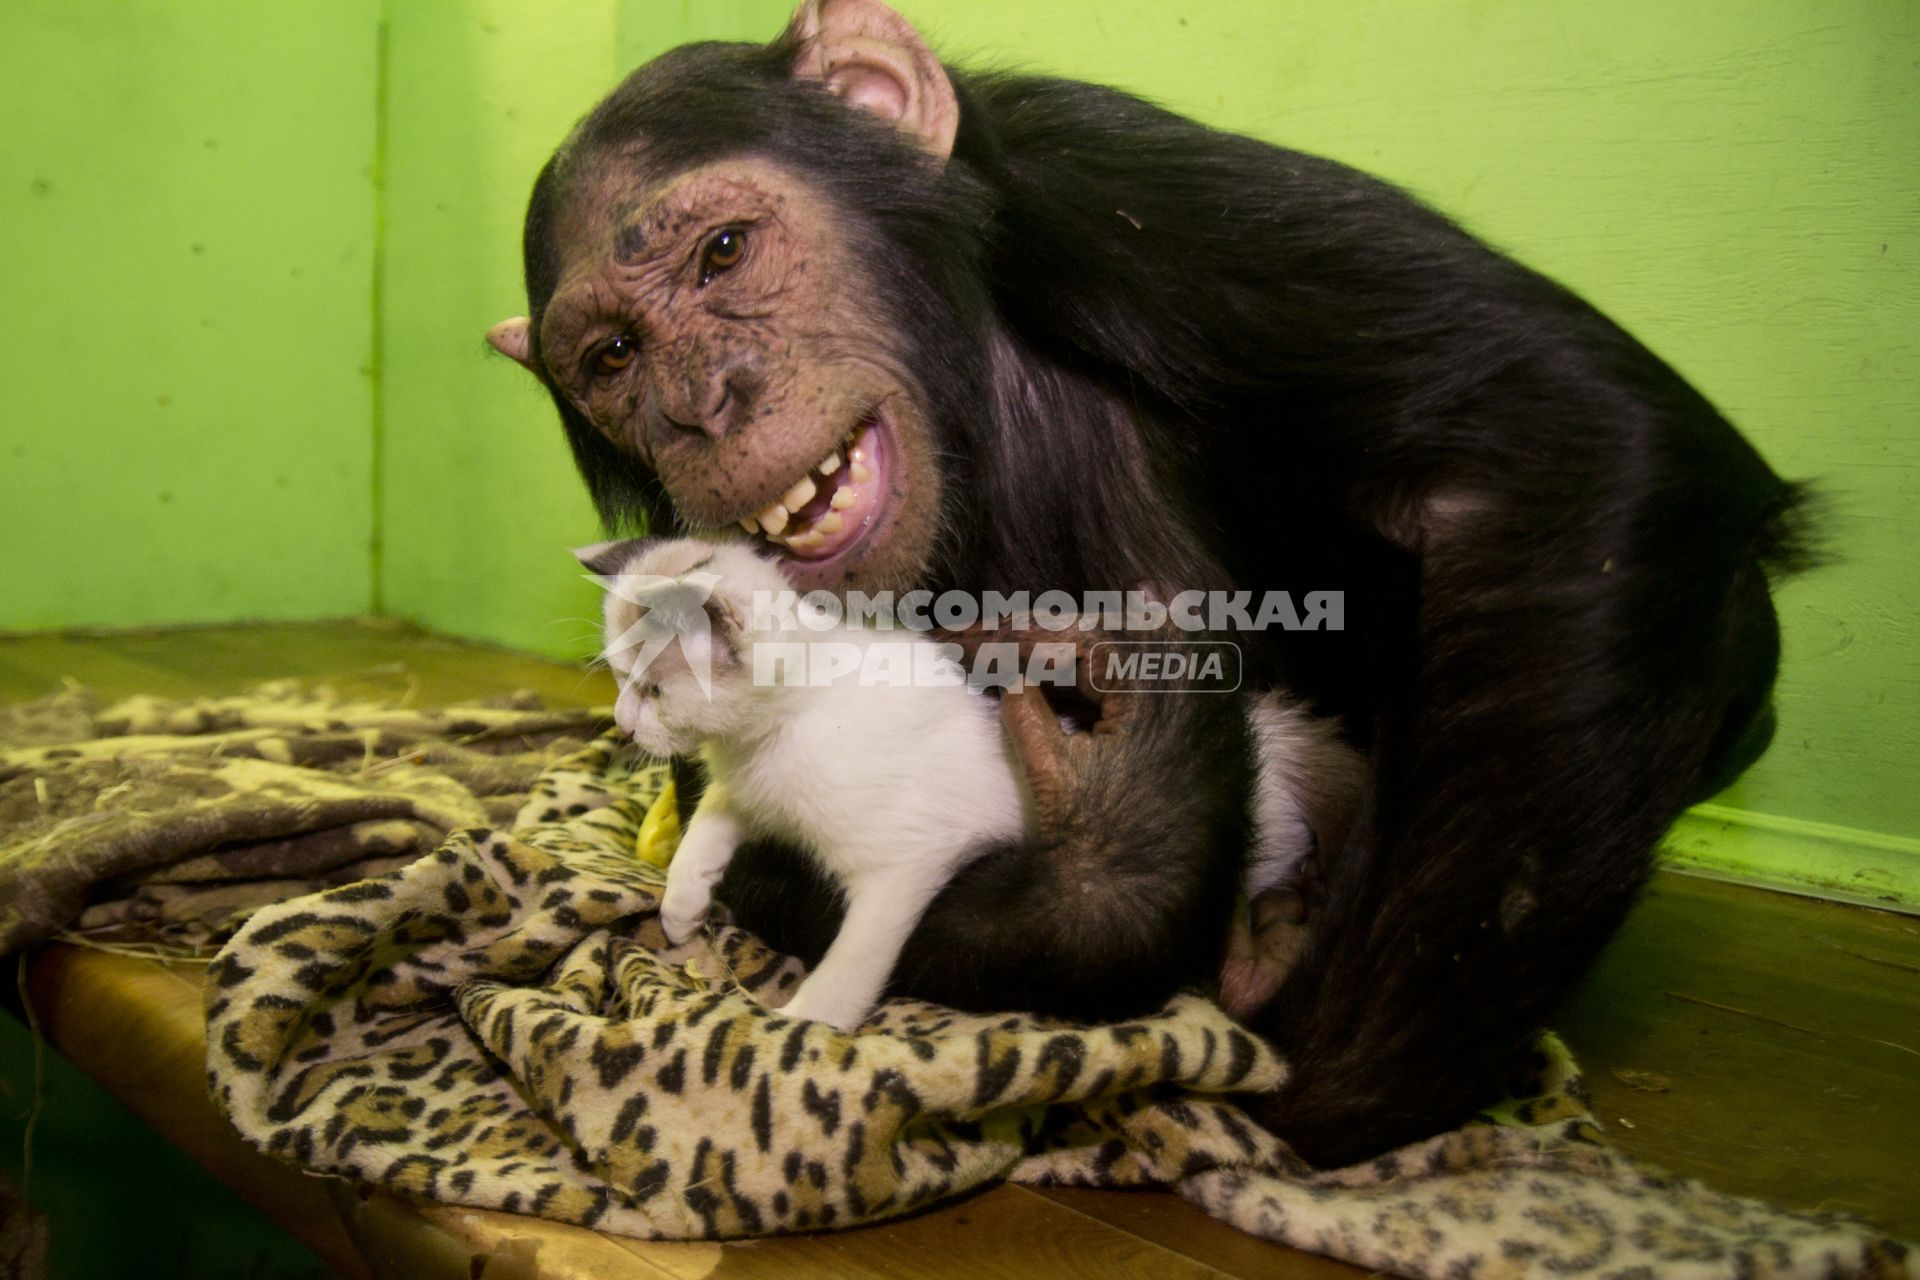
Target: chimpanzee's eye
(614, 356)
(722, 253)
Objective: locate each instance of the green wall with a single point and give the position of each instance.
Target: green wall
(479, 497)
(478, 501)
(1737, 183)
(186, 235)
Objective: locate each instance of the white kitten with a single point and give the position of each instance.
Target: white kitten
(890, 788)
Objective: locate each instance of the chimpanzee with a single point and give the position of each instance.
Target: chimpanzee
(1051, 336)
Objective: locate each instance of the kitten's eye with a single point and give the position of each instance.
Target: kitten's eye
(722, 252)
(615, 356)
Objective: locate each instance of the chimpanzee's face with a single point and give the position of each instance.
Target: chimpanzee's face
(724, 328)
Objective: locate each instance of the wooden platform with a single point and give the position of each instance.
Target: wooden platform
(1767, 1044)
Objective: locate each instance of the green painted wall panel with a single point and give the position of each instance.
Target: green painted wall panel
(480, 499)
(186, 231)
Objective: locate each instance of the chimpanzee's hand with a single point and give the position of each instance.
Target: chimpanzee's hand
(1135, 758)
(1123, 894)
(1059, 763)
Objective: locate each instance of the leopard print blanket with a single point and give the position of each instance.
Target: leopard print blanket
(502, 1024)
(170, 820)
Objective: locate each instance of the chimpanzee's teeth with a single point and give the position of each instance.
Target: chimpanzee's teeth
(773, 522)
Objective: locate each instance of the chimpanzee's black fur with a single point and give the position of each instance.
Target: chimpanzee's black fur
(1159, 353)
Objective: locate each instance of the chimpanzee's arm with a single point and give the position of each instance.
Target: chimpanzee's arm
(1123, 895)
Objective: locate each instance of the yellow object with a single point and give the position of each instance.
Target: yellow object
(659, 830)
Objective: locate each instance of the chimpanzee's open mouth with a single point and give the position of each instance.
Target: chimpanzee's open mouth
(837, 503)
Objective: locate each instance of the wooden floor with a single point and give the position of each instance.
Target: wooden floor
(1767, 1044)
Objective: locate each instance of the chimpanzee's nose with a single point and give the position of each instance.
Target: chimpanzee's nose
(712, 401)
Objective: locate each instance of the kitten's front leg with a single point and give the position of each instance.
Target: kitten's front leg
(881, 911)
(699, 862)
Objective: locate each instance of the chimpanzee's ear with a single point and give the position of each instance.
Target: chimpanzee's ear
(514, 338)
(607, 559)
(871, 56)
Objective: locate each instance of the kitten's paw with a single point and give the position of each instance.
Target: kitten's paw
(815, 1004)
(682, 914)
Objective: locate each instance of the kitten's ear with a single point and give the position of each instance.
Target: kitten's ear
(607, 559)
(726, 616)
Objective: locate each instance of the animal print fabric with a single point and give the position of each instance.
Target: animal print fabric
(501, 1024)
(171, 820)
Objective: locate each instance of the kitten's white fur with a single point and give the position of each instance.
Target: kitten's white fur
(891, 789)
(1306, 788)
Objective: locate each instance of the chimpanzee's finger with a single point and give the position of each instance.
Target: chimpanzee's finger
(1036, 730)
(1116, 710)
(1088, 670)
(1041, 744)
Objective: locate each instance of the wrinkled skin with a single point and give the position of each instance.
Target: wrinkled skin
(744, 377)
